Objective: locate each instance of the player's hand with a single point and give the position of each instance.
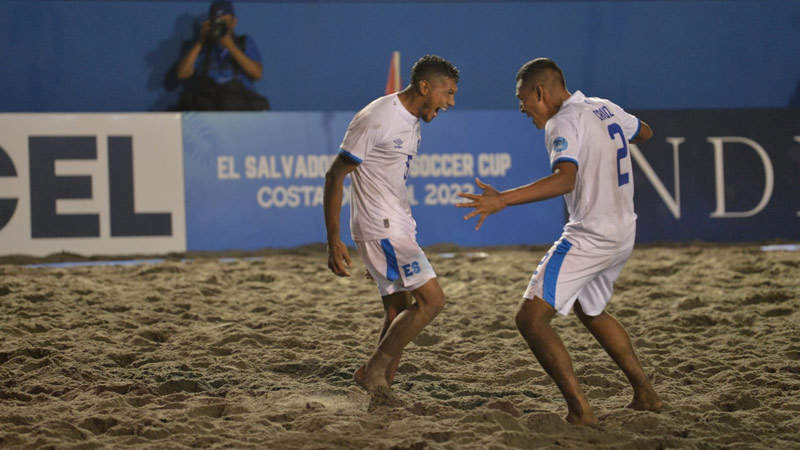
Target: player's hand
(485, 204)
(368, 275)
(338, 257)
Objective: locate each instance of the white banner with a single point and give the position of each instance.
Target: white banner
(91, 184)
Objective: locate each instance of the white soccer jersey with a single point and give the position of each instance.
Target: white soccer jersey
(594, 134)
(383, 139)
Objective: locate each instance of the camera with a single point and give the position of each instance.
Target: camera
(218, 29)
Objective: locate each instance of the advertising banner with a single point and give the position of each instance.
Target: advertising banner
(91, 184)
(719, 176)
(122, 184)
(256, 180)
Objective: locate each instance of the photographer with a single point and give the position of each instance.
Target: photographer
(220, 67)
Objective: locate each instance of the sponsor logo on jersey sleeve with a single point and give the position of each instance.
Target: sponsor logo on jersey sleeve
(560, 144)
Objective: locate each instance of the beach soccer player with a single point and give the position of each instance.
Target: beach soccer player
(377, 152)
(587, 140)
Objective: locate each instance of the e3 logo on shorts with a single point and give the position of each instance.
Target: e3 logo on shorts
(410, 269)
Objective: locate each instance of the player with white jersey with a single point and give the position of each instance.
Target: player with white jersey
(587, 140)
(377, 152)
(592, 133)
(382, 138)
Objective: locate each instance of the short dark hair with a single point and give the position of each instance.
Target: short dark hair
(432, 65)
(539, 67)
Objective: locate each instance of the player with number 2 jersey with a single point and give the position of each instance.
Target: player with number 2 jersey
(593, 133)
(587, 140)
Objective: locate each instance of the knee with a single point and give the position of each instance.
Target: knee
(432, 306)
(527, 320)
(430, 299)
(437, 305)
(524, 322)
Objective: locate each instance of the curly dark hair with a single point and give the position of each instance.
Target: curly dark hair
(432, 65)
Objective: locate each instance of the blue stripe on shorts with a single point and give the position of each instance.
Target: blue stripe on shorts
(392, 271)
(552, 270)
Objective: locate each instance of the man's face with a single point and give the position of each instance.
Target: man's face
(532, 104)
(439, 93)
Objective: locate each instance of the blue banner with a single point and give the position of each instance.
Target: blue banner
(719, 176)
(255, 180)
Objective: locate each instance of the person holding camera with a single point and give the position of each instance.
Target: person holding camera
(220, 68)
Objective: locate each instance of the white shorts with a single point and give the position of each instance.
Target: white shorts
(396, 264)
(566, 273)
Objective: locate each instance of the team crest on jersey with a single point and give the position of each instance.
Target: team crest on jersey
(398, 143)
(560, 144)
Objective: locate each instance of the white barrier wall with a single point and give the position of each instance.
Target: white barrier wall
(93, 184)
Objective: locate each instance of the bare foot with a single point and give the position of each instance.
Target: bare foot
(359, 376)
(382, 396)
(369, 381)
(653, 404)
(581, 420)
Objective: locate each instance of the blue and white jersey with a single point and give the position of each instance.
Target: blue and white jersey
(594, 133)
(382, 139)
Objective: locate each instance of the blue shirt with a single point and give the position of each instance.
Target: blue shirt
(220, 67)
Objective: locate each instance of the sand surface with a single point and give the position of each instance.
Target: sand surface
(258, 353)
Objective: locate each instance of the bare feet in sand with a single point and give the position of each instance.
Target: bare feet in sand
(379, 394)
(360, 375)
(581, 420)
(653, 404)
(382, 396)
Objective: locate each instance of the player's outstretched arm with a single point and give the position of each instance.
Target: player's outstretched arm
(560, 182)
(645, 133)
(338, 256)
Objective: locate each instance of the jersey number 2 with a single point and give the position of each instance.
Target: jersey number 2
(622, 152)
